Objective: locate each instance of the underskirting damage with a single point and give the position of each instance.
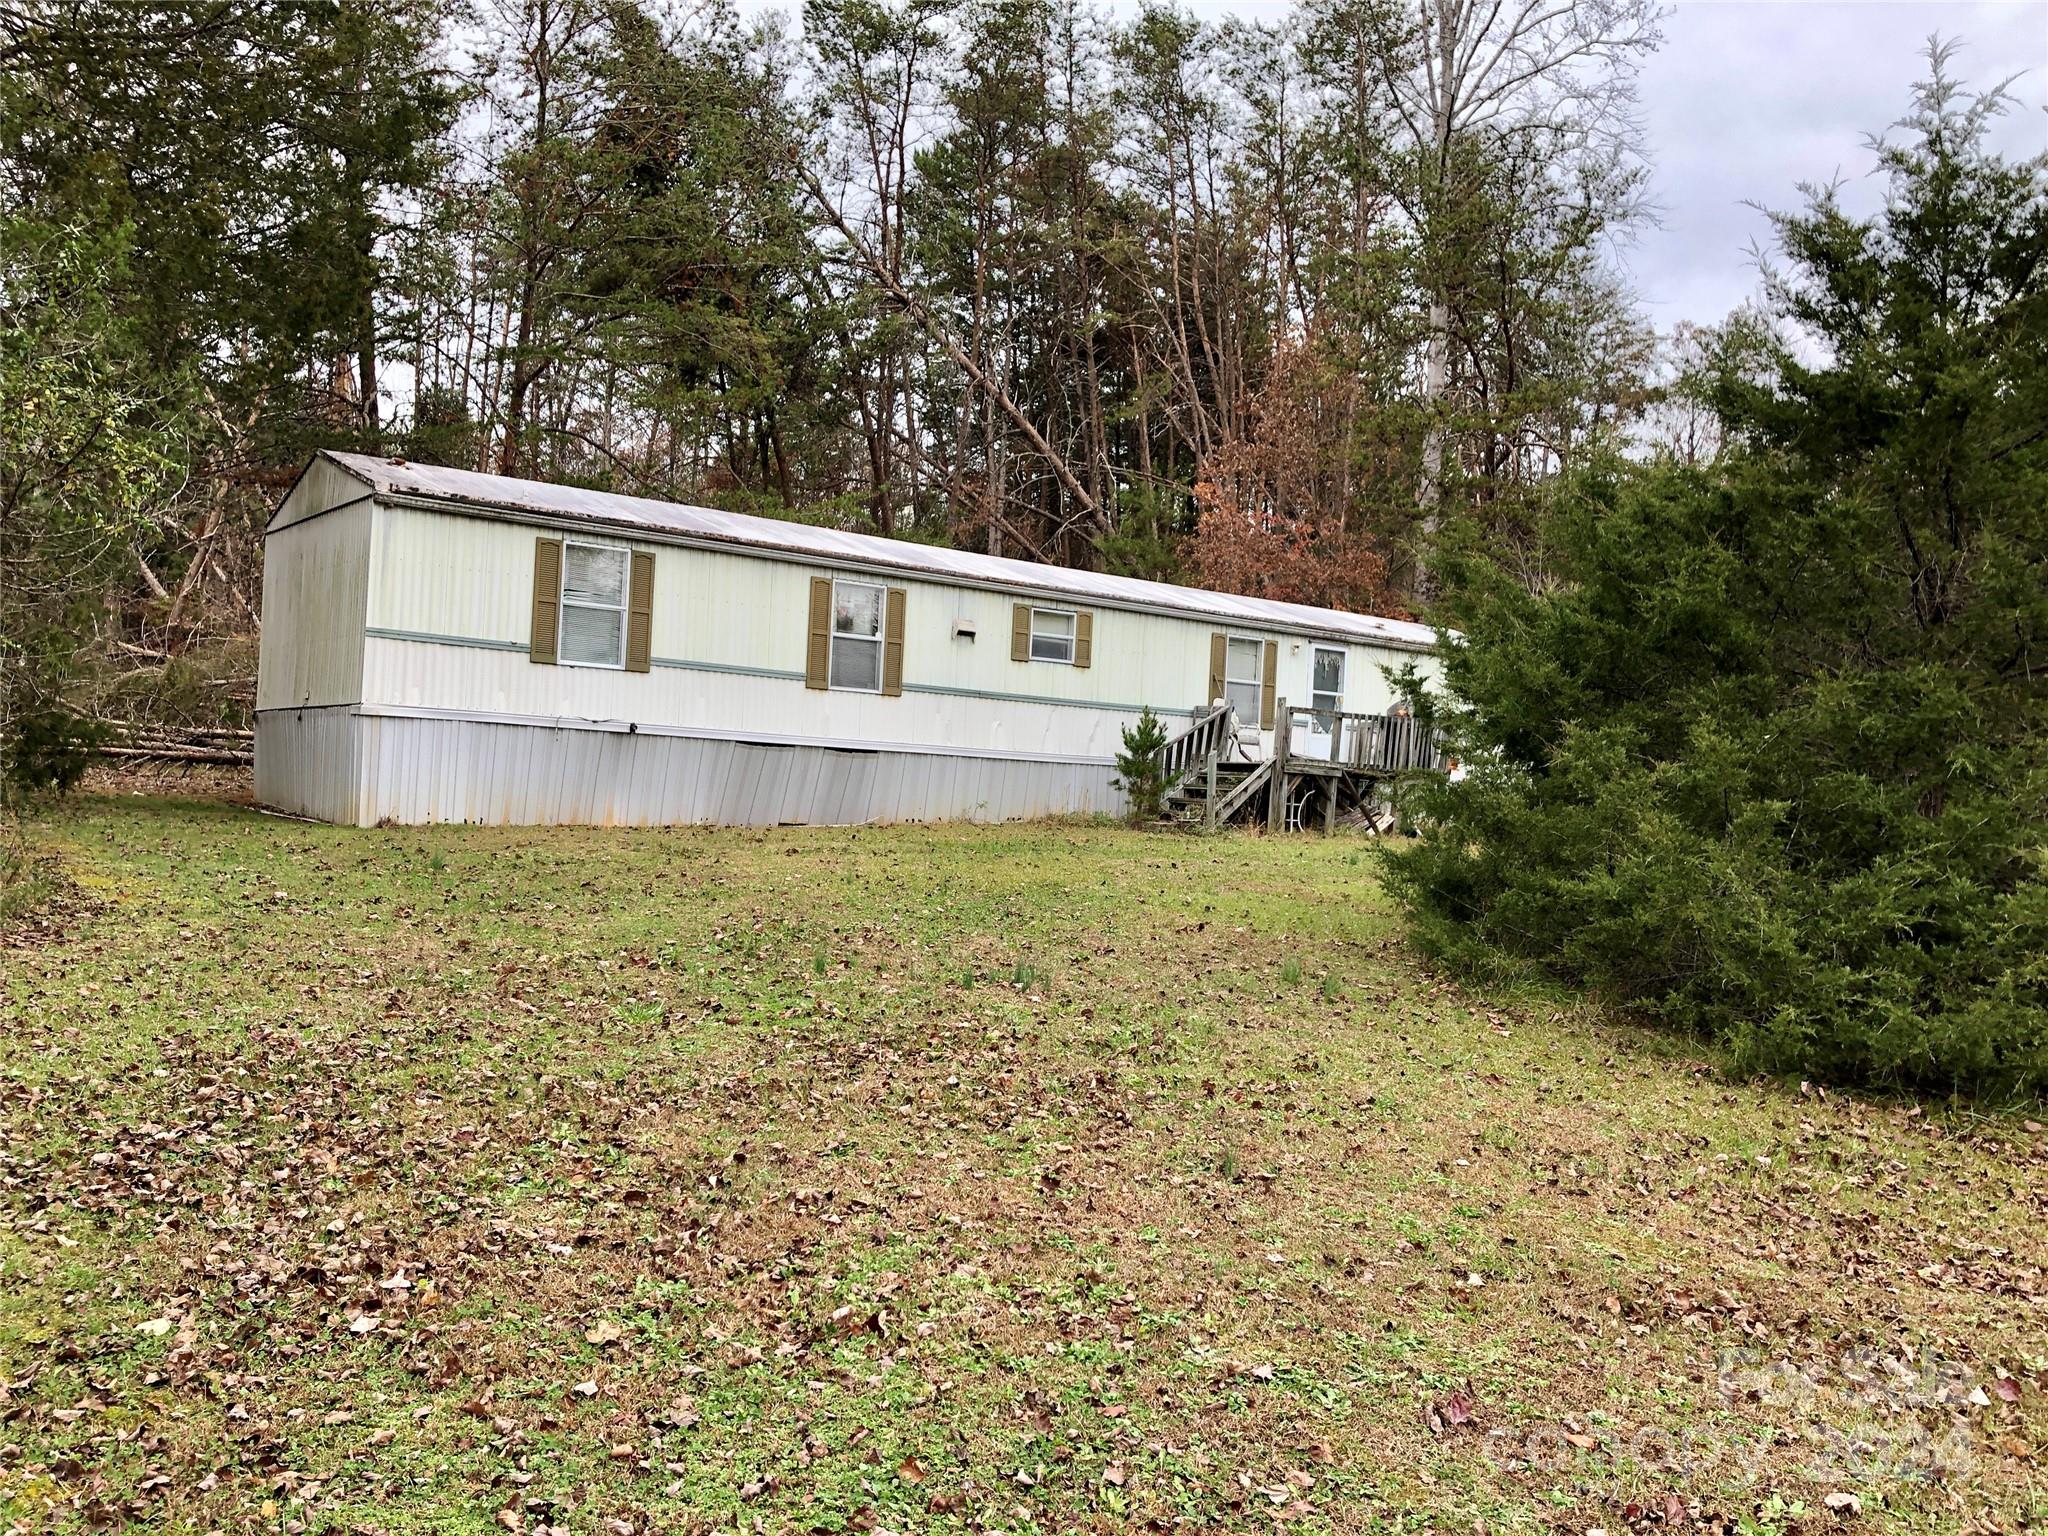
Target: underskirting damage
(344, 764)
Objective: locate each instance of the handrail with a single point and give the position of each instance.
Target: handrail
(1195, 746)
(1242, 791)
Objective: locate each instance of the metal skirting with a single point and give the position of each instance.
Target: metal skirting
(346, 766)
(308, 762)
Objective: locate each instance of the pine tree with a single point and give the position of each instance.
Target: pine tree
(1770, 759)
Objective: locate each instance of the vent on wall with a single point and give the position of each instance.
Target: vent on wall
(963, 629)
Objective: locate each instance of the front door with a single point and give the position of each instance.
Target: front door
(1326, 693)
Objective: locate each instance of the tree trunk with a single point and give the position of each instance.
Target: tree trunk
(366, 367)
(1429, 494)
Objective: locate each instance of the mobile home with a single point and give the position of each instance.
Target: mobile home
(440, 645)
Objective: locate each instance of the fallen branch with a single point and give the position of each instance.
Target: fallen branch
(156, 732)
(179, 754)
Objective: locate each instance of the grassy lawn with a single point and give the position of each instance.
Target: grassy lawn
(1024, 1179)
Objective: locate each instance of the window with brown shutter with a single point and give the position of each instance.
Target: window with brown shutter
(1219, 655)
(1064, 636)
(1268, 692)
(547, 601)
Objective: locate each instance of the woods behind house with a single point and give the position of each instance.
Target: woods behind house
(1253, 306)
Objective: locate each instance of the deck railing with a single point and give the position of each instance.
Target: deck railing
(1349, 739)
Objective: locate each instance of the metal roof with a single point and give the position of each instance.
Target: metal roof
(505, 495)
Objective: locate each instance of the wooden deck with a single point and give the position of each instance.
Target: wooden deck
(1326, 766)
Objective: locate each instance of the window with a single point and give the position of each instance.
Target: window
(857, 636)
(593, 606)
(1245, 664)
(1326, 692)
(1052, 635)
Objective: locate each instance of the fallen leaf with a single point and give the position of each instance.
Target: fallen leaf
(603, 1331)
(1844, 1503)
(910, 1470)
(1456, 1412)
(682, 1412)
(156, 1327)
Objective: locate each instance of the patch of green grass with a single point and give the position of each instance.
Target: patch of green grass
(685, 1185)
(26, 878)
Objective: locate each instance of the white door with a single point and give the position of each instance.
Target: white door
(1326, 692)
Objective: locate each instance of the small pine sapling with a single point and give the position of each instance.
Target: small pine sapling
(1139, 772)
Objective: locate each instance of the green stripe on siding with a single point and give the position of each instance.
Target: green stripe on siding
(422, 638)
(1104, 706)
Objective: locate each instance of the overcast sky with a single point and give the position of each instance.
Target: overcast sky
(1748, 98)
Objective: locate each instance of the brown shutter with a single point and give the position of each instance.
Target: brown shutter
(547, 600)
(1219, 652)
(1020, 632)
(1270, 687)
(1084, 638)
(640, 615)
(818, 663)
(892, 644)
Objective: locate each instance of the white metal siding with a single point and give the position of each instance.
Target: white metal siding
(451, 605)
(315, 596)
(324, 485)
